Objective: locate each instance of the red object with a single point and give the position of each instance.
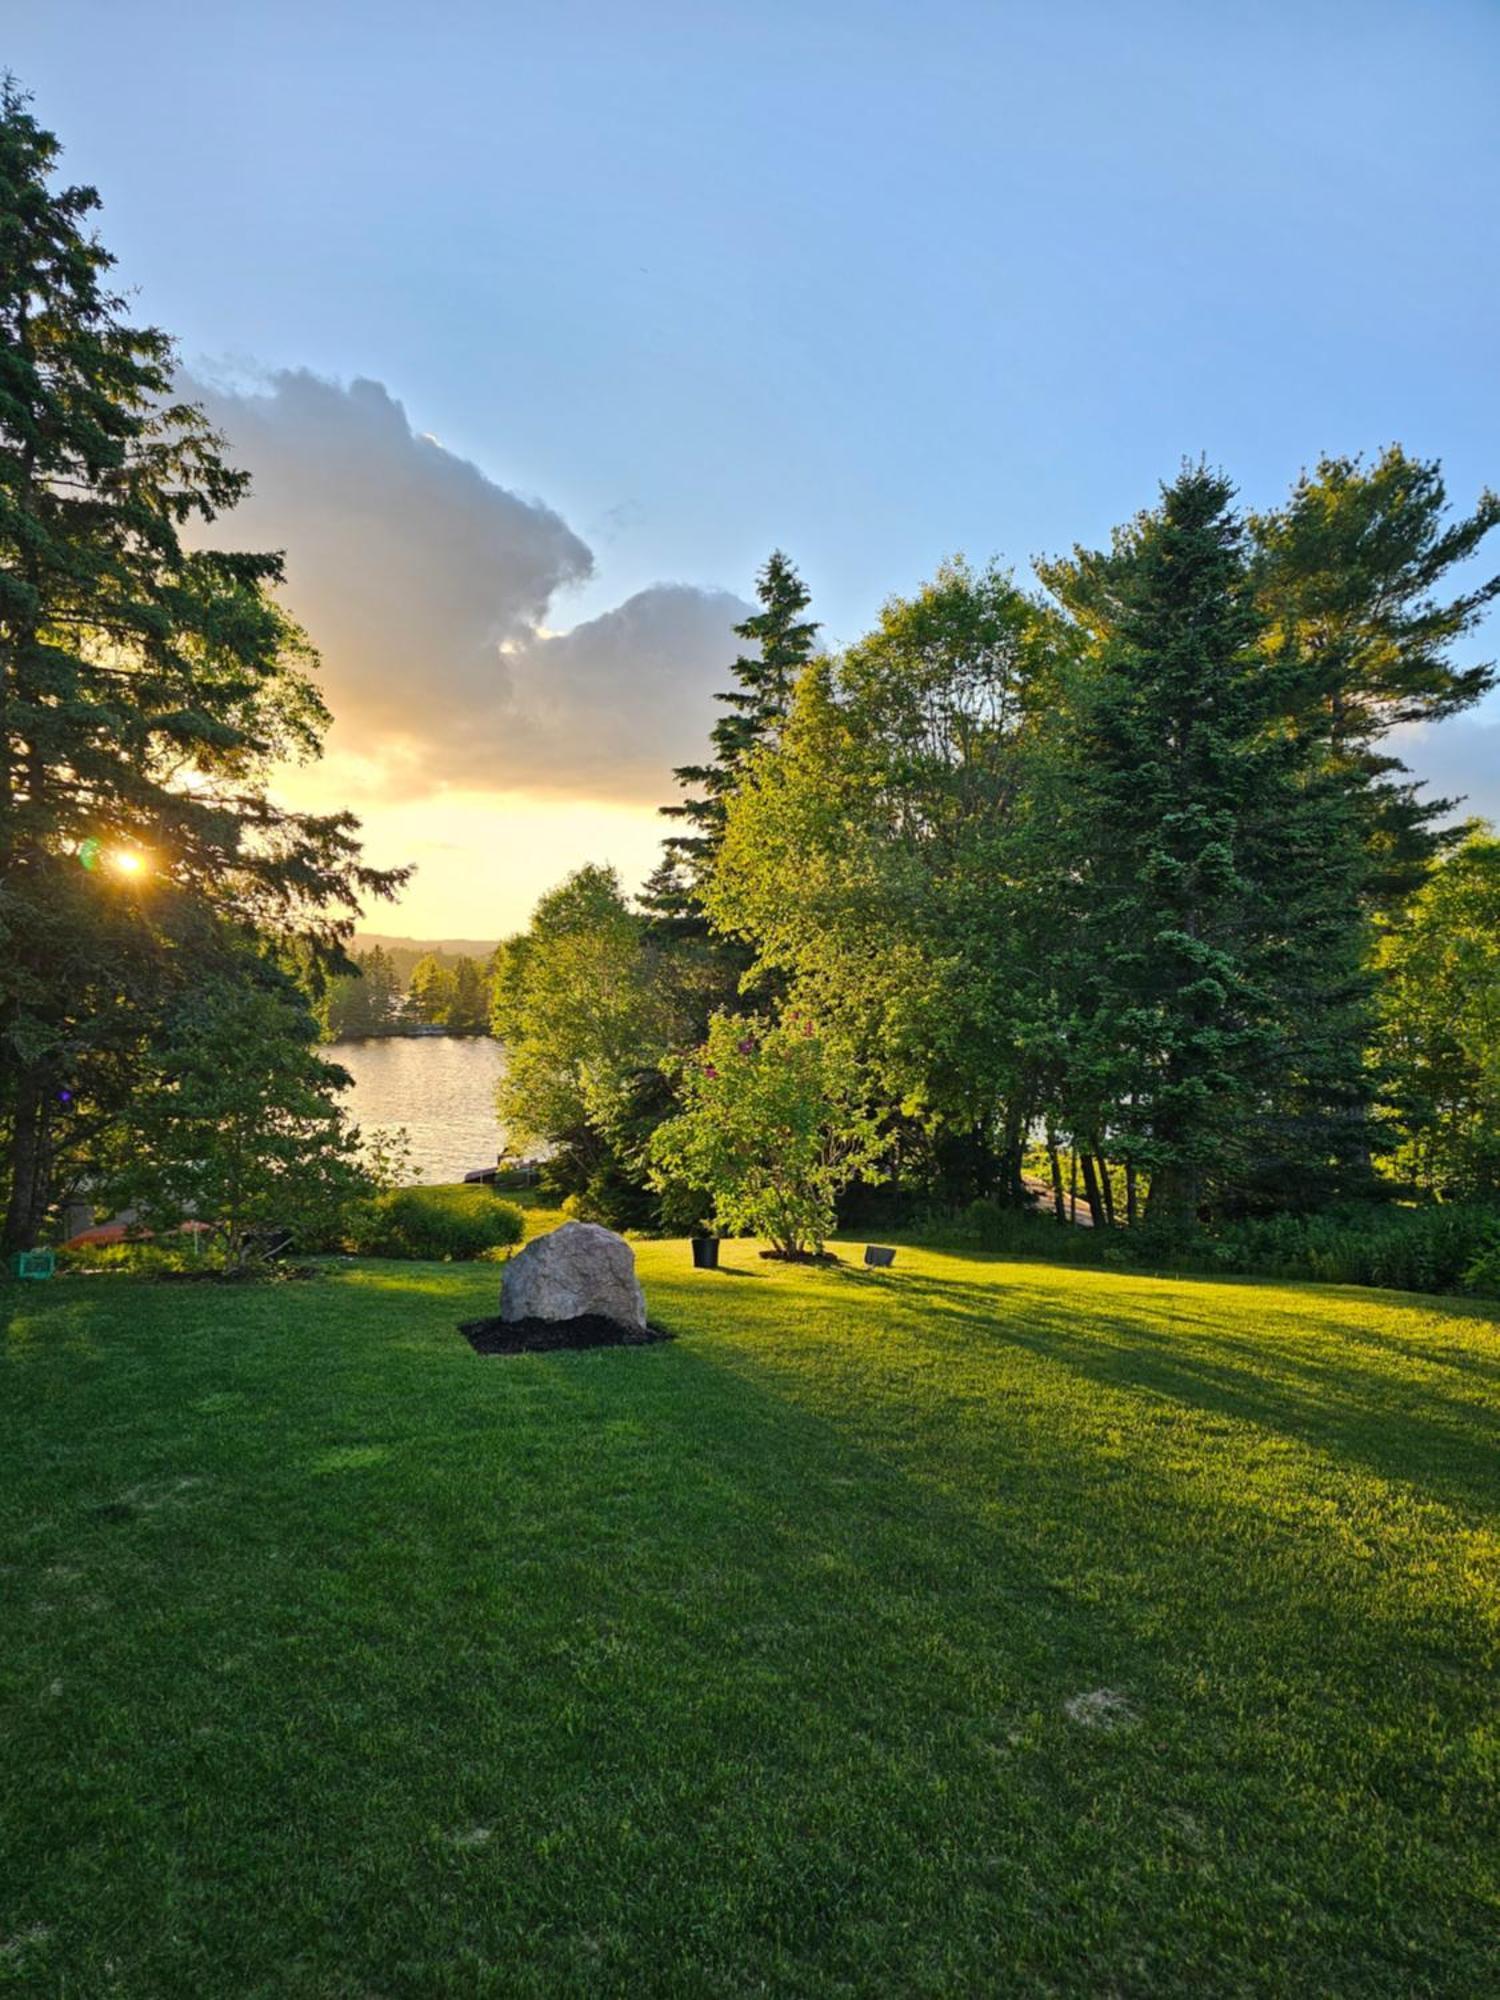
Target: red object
(118, 1232)
(107, 1232)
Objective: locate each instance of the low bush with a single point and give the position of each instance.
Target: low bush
(141, 1259)
(1021, 1232)
(1483, 1275)
(439, 1223)
(1436, 1248)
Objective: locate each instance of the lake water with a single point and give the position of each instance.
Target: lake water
(440, 1087)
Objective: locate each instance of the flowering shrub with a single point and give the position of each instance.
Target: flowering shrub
(772, 1128)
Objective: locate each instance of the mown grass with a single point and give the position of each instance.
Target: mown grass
(966, 1628)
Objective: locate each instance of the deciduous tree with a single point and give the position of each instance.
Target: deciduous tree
(772, 1128)
(1440, 1025)
(878, 859)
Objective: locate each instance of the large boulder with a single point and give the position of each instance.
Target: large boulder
(575, 1272)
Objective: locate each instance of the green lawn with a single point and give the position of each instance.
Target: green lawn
(971, 1628)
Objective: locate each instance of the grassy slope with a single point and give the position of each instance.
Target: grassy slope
(342, 1662)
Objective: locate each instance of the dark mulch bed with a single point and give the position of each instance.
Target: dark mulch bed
(801, 1257)
(548, 1336)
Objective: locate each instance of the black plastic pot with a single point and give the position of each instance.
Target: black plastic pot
(705, 1253)
(874, 1254)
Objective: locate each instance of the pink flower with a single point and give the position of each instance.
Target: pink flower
(709, 1070)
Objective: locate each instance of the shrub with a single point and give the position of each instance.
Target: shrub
(143, 1259)
(771, 1131)
(611, 1197)
(1429, 1249)
(441, 1223)
(1436, 1248)
(1024, 1232)
(1483, 1275)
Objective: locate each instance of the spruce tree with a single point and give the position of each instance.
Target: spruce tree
(758, 703)
(382, 985)
(1212, 868)
(469, 1012)
(146, 689)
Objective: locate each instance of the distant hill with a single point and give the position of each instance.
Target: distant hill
(405, 951)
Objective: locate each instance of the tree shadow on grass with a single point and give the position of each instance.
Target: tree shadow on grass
(1422, 1418)
(750, 1623)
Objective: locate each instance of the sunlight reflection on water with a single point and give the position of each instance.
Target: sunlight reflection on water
(440, 1087)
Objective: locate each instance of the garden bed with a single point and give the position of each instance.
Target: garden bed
(550, 1336)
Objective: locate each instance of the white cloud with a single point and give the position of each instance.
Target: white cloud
(630, 693)
(426, 587)
(1460, 760)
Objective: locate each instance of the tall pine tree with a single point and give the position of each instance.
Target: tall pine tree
(1350, 575)
(146, 689)
(783, 641)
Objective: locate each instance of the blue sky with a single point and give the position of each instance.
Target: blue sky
(874, 283)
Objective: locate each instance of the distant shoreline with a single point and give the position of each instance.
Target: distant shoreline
(416, 1035)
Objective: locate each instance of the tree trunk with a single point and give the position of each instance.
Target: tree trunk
(1130, 1202)
(1057, 1181)
(1073, 1183)
(1172, 1203)
(1091, 1190)
(1106, 1192)
(30, 1161)
(1012, 1155)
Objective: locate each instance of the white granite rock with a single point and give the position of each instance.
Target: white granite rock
(575, 1270)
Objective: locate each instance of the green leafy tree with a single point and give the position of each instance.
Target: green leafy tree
(772, 1128)
(1440, 1025)
(236, 1123)
(147, 690)
(587, 1021)
(878, 859)
(430, 994)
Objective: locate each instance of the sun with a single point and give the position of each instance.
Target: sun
(125, 861)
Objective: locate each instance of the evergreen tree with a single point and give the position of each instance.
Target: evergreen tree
(1349, 574)
(468, 1013)
(758, 704)
(382, 988)
(359, 1003)
(236, 1120)
(1211, 868)
(146, 689)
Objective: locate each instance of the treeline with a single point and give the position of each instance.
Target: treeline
(372, 999)
(1119, 877)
